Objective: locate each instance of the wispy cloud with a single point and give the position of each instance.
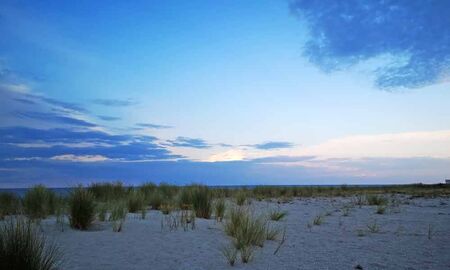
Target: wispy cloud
(272, 145)
(154, 126)
(20, 142)
(55, 118)
(189, 142)
(415, 33)
(108, 118)
(114, 102)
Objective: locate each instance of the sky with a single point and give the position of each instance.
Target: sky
(224, 92)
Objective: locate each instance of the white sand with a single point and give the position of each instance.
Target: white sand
(401, 244)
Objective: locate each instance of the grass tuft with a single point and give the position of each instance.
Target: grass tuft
(118, 215)
(277, 215)
(39, 202)
(318, 220)
(230, 253)
(81, 208)
(246, 229)
(219, 209)
(23, 247)
(136, 201)
(9, 204)
(202, 201)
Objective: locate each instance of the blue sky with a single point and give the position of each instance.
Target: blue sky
(224, 92)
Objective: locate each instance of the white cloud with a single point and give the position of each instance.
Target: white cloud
(84, 158)
(409, 144)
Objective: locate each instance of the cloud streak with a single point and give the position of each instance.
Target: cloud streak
(153, 126)
(272, 145)
(114, 102)
(189, 142)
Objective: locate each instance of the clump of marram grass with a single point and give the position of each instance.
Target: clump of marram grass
(277, 214)
(136, 201)
(381, 209)
(184, 199)
(9, 204)
(108, 191)
(318, 220)
(118, 215)
(22, 246)
(272, 232)
(230, 253)
(155, 200)
(241, 197)
(246, 229)
(102, 210)
(247, 253)
(60, 211)
(373, 227)
(202, 201)
(346, 211)
(219, 209)
(81, 208)
(38, 202)
(166, 208)
(376, 200)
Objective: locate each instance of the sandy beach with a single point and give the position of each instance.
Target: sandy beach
(413, 235)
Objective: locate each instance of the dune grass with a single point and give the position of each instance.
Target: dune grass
(118, 215)
(241, 197)
(277, 214)
(202, 201)
(245, 228)
(82, 208)
(230, 253)
(376, 200)
(318, 220)
(9, 204)
(39, 202)
(22, 246)
(219, 209)
(136, 201)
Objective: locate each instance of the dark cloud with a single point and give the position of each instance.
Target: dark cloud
(415, 32)
(114, 102)
(189, 142)
(272, 145)
(20, 142)
(108, 118)
(154, 126)
(55, 118)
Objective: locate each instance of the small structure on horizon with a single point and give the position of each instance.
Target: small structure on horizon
(447, 181)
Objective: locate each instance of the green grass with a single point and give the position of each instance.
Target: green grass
(118, 215)
(373, 227)
(22, 247)
(376, 200)
(246, 229)
(277, 215)
(318, 220)
(9, 204)
(136, 201)
(107, 191)
(39, 202)
(219, 209)
(202, 201)
(241, 197)
(381, 209)
(230, 253)
(82, 208)
(272, 232)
